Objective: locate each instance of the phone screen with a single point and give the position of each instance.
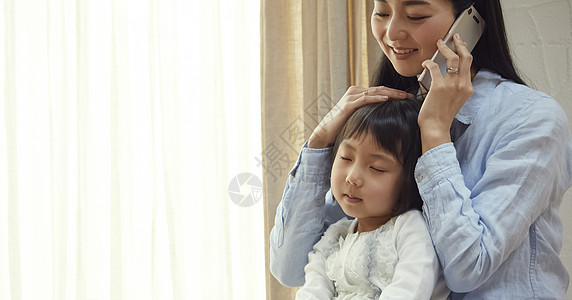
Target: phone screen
(470, 26)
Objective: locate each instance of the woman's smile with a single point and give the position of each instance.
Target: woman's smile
(403, 53)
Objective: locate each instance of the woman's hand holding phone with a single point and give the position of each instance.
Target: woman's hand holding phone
(355, 97)
(447, 94)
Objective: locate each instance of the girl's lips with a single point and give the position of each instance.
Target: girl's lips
(351, 199)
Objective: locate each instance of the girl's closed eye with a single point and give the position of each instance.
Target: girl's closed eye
(380, 170)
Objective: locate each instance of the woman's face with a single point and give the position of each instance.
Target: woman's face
(407, 31)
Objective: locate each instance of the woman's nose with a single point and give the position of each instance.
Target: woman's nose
(396, 30)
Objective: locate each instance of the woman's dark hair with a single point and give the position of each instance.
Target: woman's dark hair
(393, 126)
(491, 52)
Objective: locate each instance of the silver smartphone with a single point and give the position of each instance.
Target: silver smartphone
(470, 26)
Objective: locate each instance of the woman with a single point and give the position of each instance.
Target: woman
(496, 162)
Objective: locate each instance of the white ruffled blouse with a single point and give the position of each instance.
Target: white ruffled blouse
(395, 261)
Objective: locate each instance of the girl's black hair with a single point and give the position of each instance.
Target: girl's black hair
(491, 52)
(393, 126)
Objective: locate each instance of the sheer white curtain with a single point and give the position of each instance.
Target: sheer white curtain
(122, 123)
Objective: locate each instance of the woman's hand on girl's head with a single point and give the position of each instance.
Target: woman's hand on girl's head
(447, 94)
(355, 97)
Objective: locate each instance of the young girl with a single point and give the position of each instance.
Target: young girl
(386, 251)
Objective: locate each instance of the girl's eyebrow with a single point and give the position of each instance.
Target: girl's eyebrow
(384, 157)
(378, 155)
(345, 143)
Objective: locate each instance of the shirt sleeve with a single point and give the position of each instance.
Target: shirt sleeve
(306, 210)
(475, 230)
(417, 273)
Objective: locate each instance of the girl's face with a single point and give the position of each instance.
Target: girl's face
(366, 181)
(407, 30)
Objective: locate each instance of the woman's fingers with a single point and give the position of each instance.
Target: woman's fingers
(465, 57)
(434, 70)
(377, 91)
(354, 98)
(389, 92)
(458, 64)
(452, 57)
(367, 99)
(448, 93)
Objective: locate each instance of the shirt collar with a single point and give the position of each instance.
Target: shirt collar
(483, 85)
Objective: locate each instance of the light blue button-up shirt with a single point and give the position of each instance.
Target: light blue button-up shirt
(491, 198)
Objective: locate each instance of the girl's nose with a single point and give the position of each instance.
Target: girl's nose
(354, 177)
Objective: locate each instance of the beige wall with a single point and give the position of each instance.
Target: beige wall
(540, 33)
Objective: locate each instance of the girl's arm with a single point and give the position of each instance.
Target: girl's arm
(417, 273)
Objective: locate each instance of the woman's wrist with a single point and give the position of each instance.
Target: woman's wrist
(431, 138)
(316, 143)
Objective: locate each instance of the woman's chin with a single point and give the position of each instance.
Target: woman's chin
(409, 72)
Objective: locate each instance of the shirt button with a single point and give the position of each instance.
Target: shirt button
(419, 178)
